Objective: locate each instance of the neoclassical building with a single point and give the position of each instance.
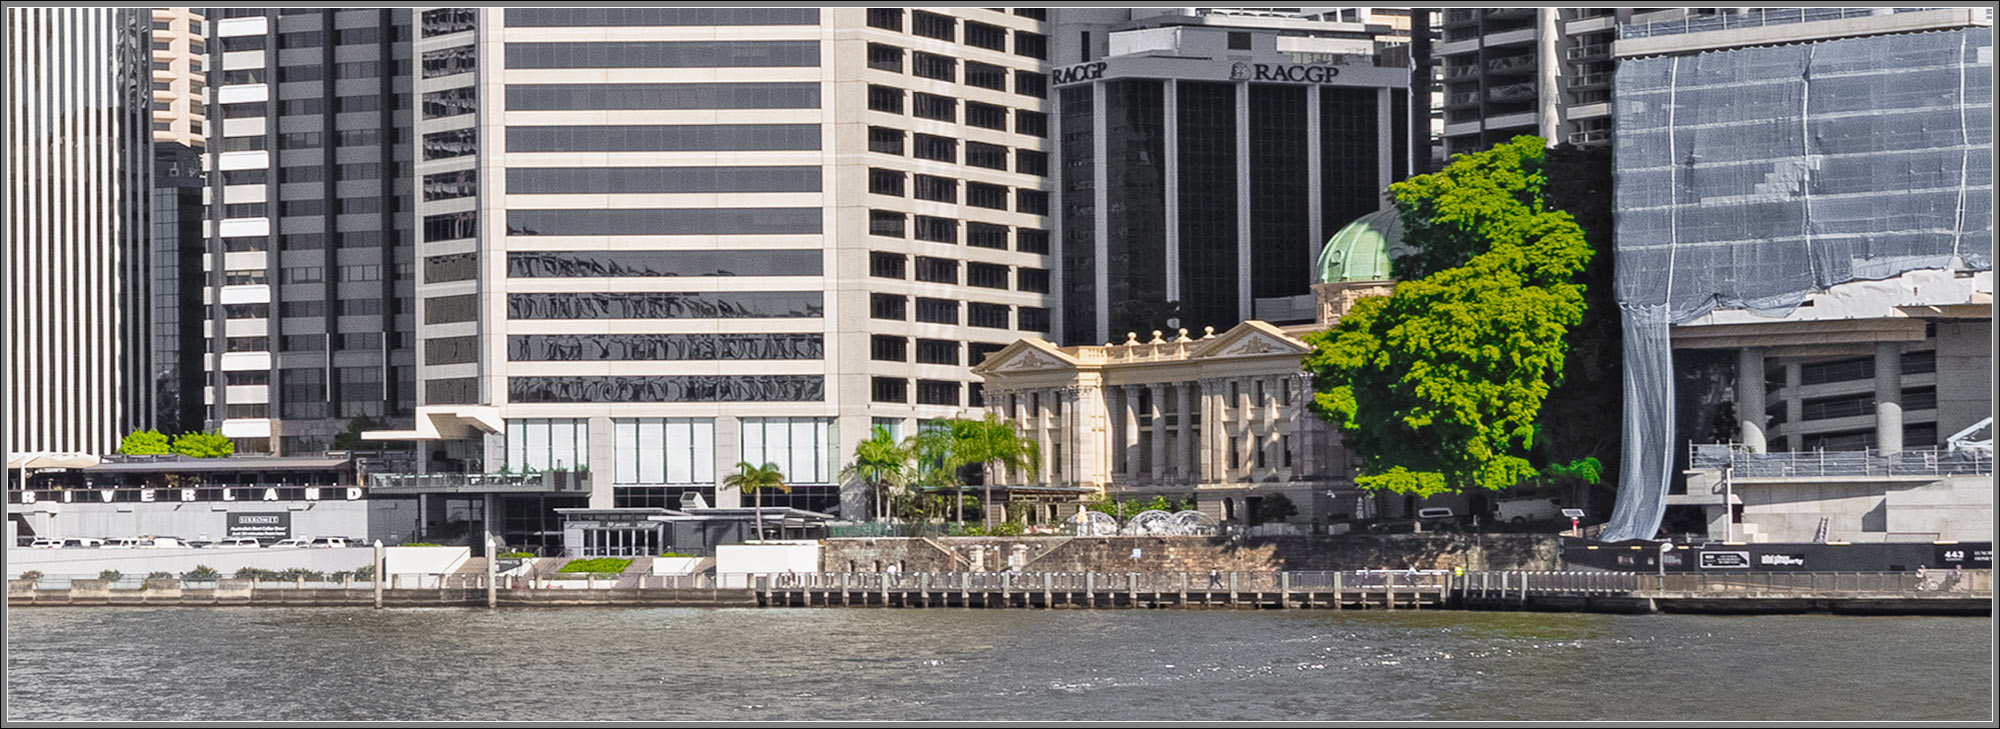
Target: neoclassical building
(1222, 417)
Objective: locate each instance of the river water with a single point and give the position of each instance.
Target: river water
(954, 664)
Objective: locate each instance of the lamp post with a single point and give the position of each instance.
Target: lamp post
(492, 590)
(378, 574)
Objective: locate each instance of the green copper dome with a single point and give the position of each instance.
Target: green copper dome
(1360, 251)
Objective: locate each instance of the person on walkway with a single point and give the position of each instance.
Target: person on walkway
(893, 570)
(1214, 578)
(1923, 576)
(1957, 579)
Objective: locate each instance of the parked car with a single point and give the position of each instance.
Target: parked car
(82, 543)
(293, 543)
(199, 543)
(237, 543)
(163, 543)
(24, 541)
(124, 543)
(328, 542)
(1437, 519)
(44, 543)
(1522, 511)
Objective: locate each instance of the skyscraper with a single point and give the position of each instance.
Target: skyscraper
(180, 78)
(310, 321)
(75, 219)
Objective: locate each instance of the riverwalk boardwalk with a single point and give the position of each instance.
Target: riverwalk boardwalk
(1619, 592)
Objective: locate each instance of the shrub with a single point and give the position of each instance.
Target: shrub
(201, 572)
(421, 544)
(143, 443)
(110, 575)
(674, 554)
(602, 565)
(255, 573)
(203, 445)
(159, 575)
(340, 576)
(366, 573)
(299, 573)
(31, 575)
(517, 555)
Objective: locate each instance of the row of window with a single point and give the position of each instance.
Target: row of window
(890, 348)
(656, 347)
(944, 270)
(664, 221)
(945, 109)
(885, 57)
(945, 311)
(662, 138)
(664, 180)
(661, 54)
(888, 140)
(578, 97)
(944, 189)
(979, 35)
(666, 305)
(892, 224)
(633, 17)
(610, 264)
(929, 392)
(668, 388)
(315, 105)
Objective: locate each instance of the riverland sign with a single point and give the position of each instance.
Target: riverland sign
(201, 493)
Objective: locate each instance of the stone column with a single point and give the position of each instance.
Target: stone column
(1750, 397)
(1889, 397)
(1159, 411)
(1211, 429)
(1043, 417)
(1183, 463)
(1129, 447)
(1794, 407)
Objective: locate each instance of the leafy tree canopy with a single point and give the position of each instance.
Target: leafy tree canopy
(144, 443)
(203, 445)
(1438, 386)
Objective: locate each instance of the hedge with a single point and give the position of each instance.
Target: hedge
(601, 564)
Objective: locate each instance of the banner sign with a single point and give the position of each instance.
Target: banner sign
(1725, 560)
(271, 526)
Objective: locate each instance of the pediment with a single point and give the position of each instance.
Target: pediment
(1252, 339)
(1026, 355)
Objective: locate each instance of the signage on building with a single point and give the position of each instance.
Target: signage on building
(199, 493)
(1078, 73)
(1289, 73)
(1725, 560)
(1967, 556)
(1782, 561)
(267, 525)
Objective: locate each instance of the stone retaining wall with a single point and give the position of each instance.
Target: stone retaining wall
(1195, 554)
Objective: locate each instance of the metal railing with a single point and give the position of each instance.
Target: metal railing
(546, 481)
(1866, 462)
(1751, 19)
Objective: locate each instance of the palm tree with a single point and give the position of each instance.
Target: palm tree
(989, 442)
(935, 448)
(880, 462)
(754, 480)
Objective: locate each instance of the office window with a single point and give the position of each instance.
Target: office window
(1034, 319)
(937, 230)
(1030, 162)
(933, 25)
(935, 189)
(662, 54)
(885, 182)
(1031, 123)
(1240, 42)
(889, 389)
(989, 156)
(986, 235)
(547, 444)
(937, 392)
(455, 143)
(1030, 44)
(937, 270)
(992, 316)
(935, 148)
(803, 448)
(976, 352)
(1032, 279)
(982, 35)
(934, 107)
(451, 185)
(1029, 83)
(986, 275)
(986, 116)
(937, 311)
(883, 57)
(886, 265)
(886, 348)
(982, 195)
(448, 61)
(933, 66)
(1031, 240)
(885, 98)
(985, 76)
(1031, 201)
(665, 450)
(886, 18)
(888, 306)
(885, 140)
(937, 351)
(886, 223)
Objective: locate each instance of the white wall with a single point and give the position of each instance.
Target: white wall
(735, 562)
(139, 562)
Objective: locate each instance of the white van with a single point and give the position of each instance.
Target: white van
(82, 543)
(163, 543)
(1522, 511)
(124, 543)
(293, 543)
(340, 542)
(237, 543)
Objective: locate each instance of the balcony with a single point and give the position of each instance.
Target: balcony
(1592, 51)
(547, 482)
(1512, 92)
(1591, 136)
(1589, 80)
(1513, 65)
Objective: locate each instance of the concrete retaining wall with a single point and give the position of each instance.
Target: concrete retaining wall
(139, 562)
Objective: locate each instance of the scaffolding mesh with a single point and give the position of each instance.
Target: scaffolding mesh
(1751, 177)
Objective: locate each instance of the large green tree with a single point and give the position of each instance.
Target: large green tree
(881, 463)
(1439, 385)
(754, 480)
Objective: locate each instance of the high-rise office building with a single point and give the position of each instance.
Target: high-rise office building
(1206, 154)
(1514, 71)
(76, 225)
(655, 242)
(311, 251)
(180, 80)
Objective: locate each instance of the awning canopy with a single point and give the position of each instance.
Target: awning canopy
(50, 459)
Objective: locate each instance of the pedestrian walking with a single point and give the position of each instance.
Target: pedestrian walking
(1923, 576)
(1214, 578)
(1957, 577)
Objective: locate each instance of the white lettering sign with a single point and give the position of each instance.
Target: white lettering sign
(146, 495)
